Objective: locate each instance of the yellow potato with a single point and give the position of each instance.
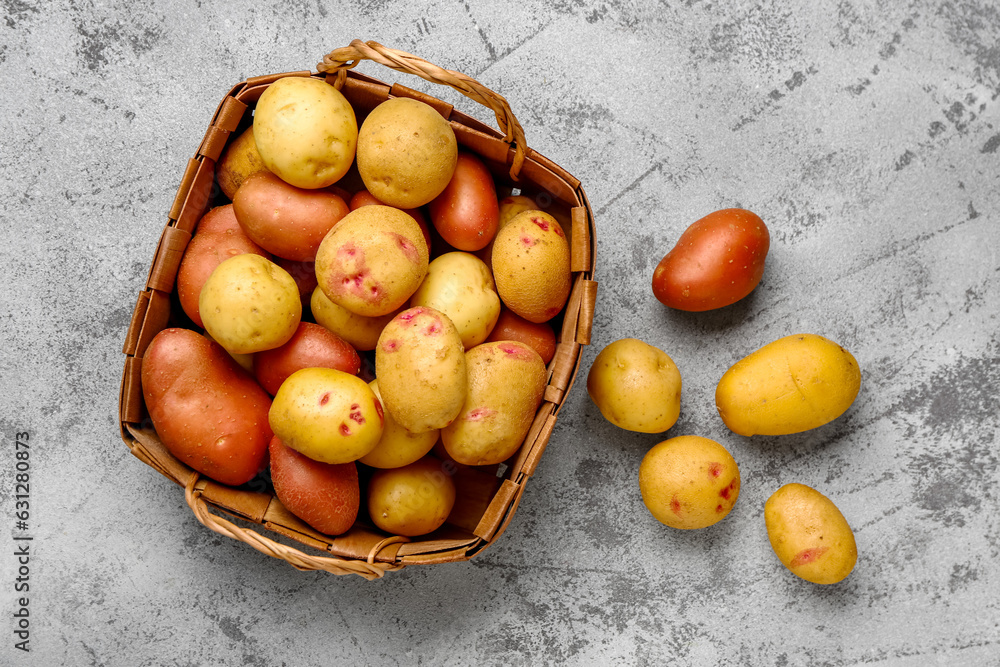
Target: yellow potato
(306, 131)
(250, 304)
(506, 383)
(326, 414)
(420, 365)
(407, 152)
(360, 331)
(689, 482)
(372, 261)
(636, 386)
(397, 446)
(238, 161)
(794, 384)
(531, 266)
(809, 534)
(460, 285)
(413, 500)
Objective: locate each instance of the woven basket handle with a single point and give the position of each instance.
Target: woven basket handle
(368, 569)
(340, 60)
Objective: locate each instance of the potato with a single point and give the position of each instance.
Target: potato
(311, 346)
(360, 331)
(540, 336)
(794, 384)
(420, 365)
(239, 160)
(326, 496)
(689, 482)
(413, 500)
(372, 261)
(287, 221)
(208, 412)
(406, 152)
(505, 387)
(809, 534)
(365, 198)
(460, 285)
(398, 447)
(636, 386)
(250, 304)
(531, 266)
(217, 237)
(328, 415)
(306, 131)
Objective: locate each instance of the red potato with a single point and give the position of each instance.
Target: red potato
(717, 261)
(467, 213)
(311, 346)
(303, 273)
(217, 237)
(287, 221)
(365, 198)
(327, 496)
(207, 410)
(537, 335)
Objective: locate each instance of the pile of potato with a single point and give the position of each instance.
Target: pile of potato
(794, 384)
(367, 299)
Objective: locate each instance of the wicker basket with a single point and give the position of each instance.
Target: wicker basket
(487, 496)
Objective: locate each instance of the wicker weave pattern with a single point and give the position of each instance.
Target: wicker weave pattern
(491, 500)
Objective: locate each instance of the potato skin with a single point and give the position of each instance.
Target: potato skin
(326, 496)
(689, 482)
(717, 261)
(372, 262)
(311, 346)
(238, 161)
(420, 365)
(250, 304)
(326, 414)
(305, 131)
(793, 384)
(809, 535)
(406, 152)
(412, 500)
(397, 446)
(460, 285)
(360, 331)
(466, 213)
(531, 266)
(217, 237)
(511, 326)
(286, 221)
(207, 410)
(506, 384)
(636, 386)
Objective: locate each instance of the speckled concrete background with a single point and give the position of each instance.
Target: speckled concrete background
(865, 133)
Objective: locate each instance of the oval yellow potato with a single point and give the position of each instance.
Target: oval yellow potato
(460, 285)
(360, 331)
(250, 304)
(506, 384)
(809, 534)
(794, 384)
(328, 415)
(413, 500)
(407, 152)
(531, 266)
(636, 386)
(398, 447)
(420, 366)
(372, 261)
(689, 482)
(306, 131)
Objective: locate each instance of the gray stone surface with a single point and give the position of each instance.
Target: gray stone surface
(864, 133)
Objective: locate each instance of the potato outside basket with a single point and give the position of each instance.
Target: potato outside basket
(487, 496)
